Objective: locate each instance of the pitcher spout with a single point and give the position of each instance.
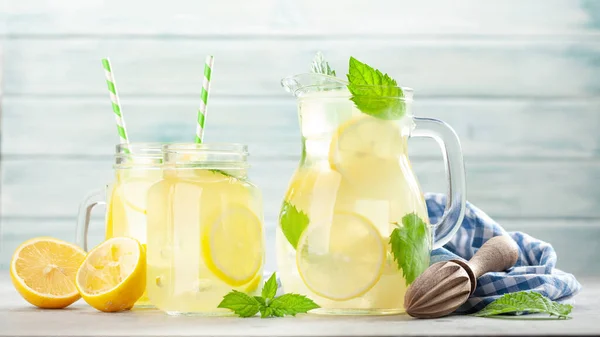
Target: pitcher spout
(299, 85)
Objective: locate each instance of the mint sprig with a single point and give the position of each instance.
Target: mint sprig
(293, 222)
(267, 304)
(410, 246)
(240, 303)
(525, 302)
(373, 92)
(320, 66)
(269, 290)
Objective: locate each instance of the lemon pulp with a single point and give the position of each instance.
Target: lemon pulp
(113, 275)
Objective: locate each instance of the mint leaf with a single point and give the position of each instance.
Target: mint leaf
(292, 304)
(270, 288)
(373, 92)
(241, 304)
(266, 312)
(525, 301)
(260, 300)
(320, 66)
(268, 305)
(293, 223)
(229, 175)
(410, 246)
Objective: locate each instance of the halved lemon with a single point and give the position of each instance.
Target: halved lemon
(232, 245)
(113, 275)
(365, 151)
(341, 260)
(43, 271)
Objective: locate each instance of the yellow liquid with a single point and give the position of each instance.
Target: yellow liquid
(205, 238)
(355, 184)
(126, 215)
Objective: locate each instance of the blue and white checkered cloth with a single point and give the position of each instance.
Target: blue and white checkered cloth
(535, 270)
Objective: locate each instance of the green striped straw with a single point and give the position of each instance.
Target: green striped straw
(208, 65)
(114, 97)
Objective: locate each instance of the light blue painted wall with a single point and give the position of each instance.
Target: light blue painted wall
(518, 80)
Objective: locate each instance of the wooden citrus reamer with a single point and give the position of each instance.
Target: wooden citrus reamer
(445, 286)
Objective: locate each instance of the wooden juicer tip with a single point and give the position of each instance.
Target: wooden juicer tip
(445, 286)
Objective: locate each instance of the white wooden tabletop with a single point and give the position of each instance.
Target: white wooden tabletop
(18, 318)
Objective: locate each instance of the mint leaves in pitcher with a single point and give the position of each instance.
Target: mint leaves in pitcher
(320, 66)
(410, 246)
(293, 222)
(373, 92)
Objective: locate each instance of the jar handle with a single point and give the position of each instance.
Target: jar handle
(449, 143)
(97, 197)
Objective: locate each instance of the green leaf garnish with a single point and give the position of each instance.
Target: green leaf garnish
(266, 312)
(373, 92)
(270, 288)
(292, 304)
(268, 305)
(293, 222)
(410, 246)
(320, 66)
(260, 300)
(240, 303)
(525, 301)
(227, 174)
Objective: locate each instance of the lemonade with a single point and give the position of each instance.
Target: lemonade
(137, 168)
(205, 230)
(353, 188)
(353, 230)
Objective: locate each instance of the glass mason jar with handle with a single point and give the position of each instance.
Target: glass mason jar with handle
(353, 229)
(137, 167)
(205, 229)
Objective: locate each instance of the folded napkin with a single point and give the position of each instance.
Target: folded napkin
(535, 269)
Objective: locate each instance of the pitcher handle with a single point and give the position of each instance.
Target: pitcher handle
(97, 197)
(449, 143)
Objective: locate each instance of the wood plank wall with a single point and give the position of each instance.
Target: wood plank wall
(518, 80)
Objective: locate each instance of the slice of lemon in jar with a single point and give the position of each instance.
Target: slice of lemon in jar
(341, 260)
(233, 245)
(113, 275)
(365, 150)
(133, 193)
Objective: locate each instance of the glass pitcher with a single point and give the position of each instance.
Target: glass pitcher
(137, 168)
(353, 229)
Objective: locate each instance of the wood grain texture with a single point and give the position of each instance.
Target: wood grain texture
(249, 67)
(16, 318)
(487, 128)
(518, 80)
(302, 18)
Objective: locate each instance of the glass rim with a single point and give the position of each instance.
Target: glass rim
(218, 147)
(337, 83)
(143, 147)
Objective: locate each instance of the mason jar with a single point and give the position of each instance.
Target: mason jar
(136, 169)
(205, 229)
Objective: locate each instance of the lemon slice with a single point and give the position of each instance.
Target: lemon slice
(113, 275)
(133, 192)
(341, 260)
(232, 245)
(254, 284)
(365, 151)
(43, 272)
